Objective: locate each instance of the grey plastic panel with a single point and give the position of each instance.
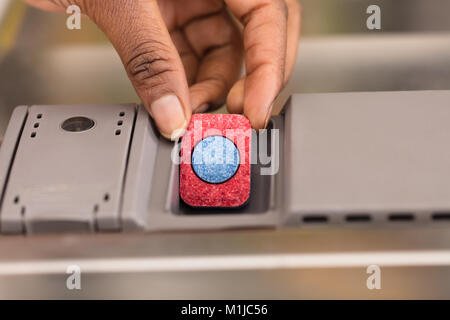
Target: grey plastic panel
(62, 181)
(140, 172)
(165, 212)
(61, 178)
(385, 155)
(346, 157)
(7, 153)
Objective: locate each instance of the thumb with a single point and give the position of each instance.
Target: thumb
(138, 32)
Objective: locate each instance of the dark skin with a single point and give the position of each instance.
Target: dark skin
(185, 56)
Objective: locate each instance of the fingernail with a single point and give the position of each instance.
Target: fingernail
(177, 133)
(268, 115)
(169, 116)
(202, 108)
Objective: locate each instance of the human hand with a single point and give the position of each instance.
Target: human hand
(185, 56)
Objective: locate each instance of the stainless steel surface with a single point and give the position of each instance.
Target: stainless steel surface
(49, 64)
(308, 263)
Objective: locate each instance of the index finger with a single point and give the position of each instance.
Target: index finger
(265, 41)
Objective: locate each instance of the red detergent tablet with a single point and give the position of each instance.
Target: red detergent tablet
(215, 161)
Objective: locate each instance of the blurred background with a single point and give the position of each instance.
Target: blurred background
(42, 62)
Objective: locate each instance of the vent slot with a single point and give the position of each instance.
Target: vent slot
(441, 216)
(401, 217)
(358, 217)
(315, 219)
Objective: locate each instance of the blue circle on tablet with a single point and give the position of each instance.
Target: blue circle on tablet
(215, 159)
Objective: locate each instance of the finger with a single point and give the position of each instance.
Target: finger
(217, 40)
(293, 34)
(265, 43)
(138, 32)
(216, 75)
(235, 99)
(178, 13)
(45, 5)
(188, 57)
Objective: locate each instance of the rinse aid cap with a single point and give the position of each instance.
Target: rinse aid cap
(215, 161)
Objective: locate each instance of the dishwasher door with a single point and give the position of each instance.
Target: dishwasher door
(50, 65)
